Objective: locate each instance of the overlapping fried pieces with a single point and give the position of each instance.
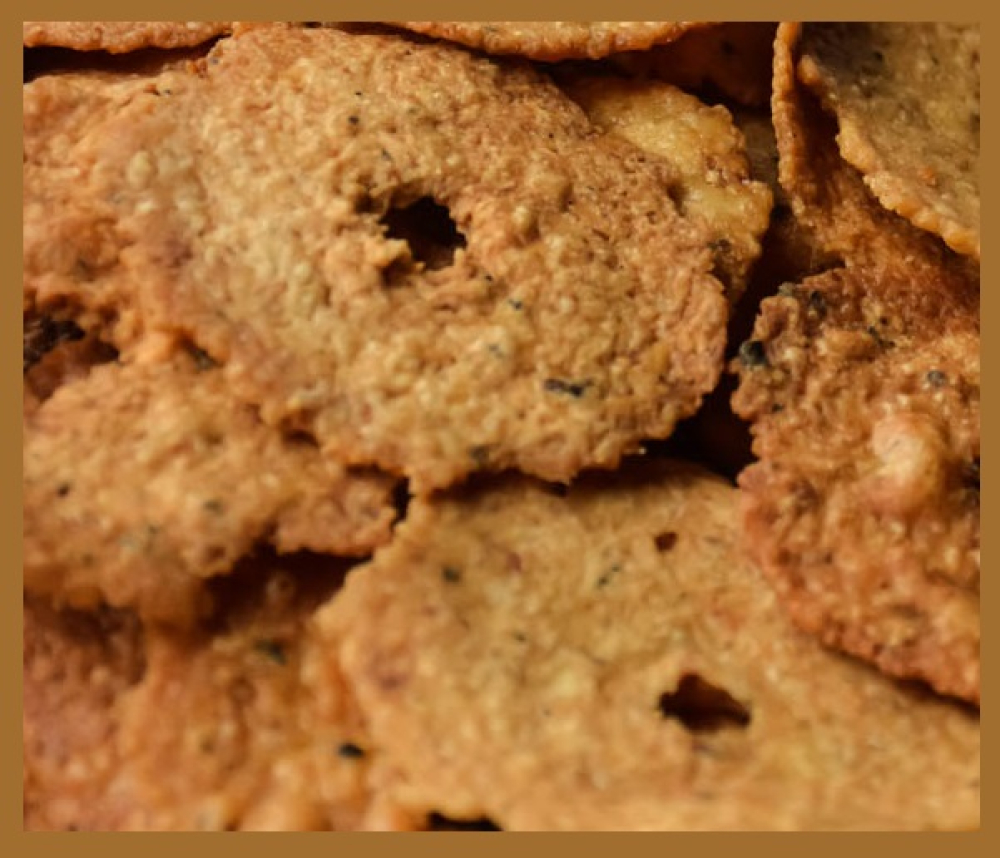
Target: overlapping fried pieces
(470, 277)
(607, 660)
(210, 729)
(555, 40)
(121, 36)
(707, 152)
(129, 477)
(863, 390)
(906, 97)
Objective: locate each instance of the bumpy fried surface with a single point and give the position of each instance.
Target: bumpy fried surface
(713, 185)
(578, 318)
(121, 36)
(864, 509)
(862, 386)
(607, 660)
(213, 729)
(906, 97)
(732, 60)
(141, 481)
(76, 667)
(555, 40)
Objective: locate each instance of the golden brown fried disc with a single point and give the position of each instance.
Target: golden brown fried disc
(118, 37)
(607, 660)
(555, 40)
(863, 511)
(906, 97)
(731, 60)
(76, 667)
(460, 274)
(141, 481)
(713, 186)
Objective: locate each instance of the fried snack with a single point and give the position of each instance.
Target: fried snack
(254, 747)
(731, 60)
(704, 147)
(906, 97)
(608, 660)
(143, 480)
(862, 385)
(555, 40)
(118, 37)
(460, 275)
(206, 730)
(76, 666)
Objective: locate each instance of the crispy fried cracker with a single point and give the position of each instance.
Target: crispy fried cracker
(564, 314)
(906, 97)
(608, 660)
(76, 667)
(713, 185)
(143, 480)
(121, 36)
(555, 40)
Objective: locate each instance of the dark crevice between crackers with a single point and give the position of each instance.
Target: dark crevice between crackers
(439, 822)
(51, 60)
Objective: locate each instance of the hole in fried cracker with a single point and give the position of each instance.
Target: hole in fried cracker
(429, 230)
(702, 707)
(665, 541)
(439, 822)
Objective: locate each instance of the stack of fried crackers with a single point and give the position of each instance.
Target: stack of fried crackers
(485, 425)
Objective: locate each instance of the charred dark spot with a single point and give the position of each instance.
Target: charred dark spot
(752, 353)
(63, 489)
(439, 822)
(427, 227)
(665, 541)
(451, 574)
(353, 120)
(936, 378)
(575, 389)
(350, 751)
(703, 707)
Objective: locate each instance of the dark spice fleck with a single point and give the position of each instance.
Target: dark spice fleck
(605, 579)
(817, 303)
(354, 120)
(936, 378)
(876, 335)
(202, 359)
(451, 574)
(272, 649)
(350, 751)
(213, 505)
(480, 455)
(63, 489)
(515, 304)
(752, 353)
(571, 388)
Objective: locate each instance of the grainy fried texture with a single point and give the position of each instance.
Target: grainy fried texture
(141, 481)
(555, 40)
(248, 746)
(566, 314)
(906, 97)
(713, 184)
(76, 667)
(863, 391)
(607, 660)
(732, 60)
(214, 729)
(118, 37)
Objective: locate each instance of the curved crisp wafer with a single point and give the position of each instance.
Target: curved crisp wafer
(607, 660)
(906, 97)
(713, 185)
(555, 40)
(76, 667)
(460, 274)
(863, 389)
(121, 36)
(141, 481)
